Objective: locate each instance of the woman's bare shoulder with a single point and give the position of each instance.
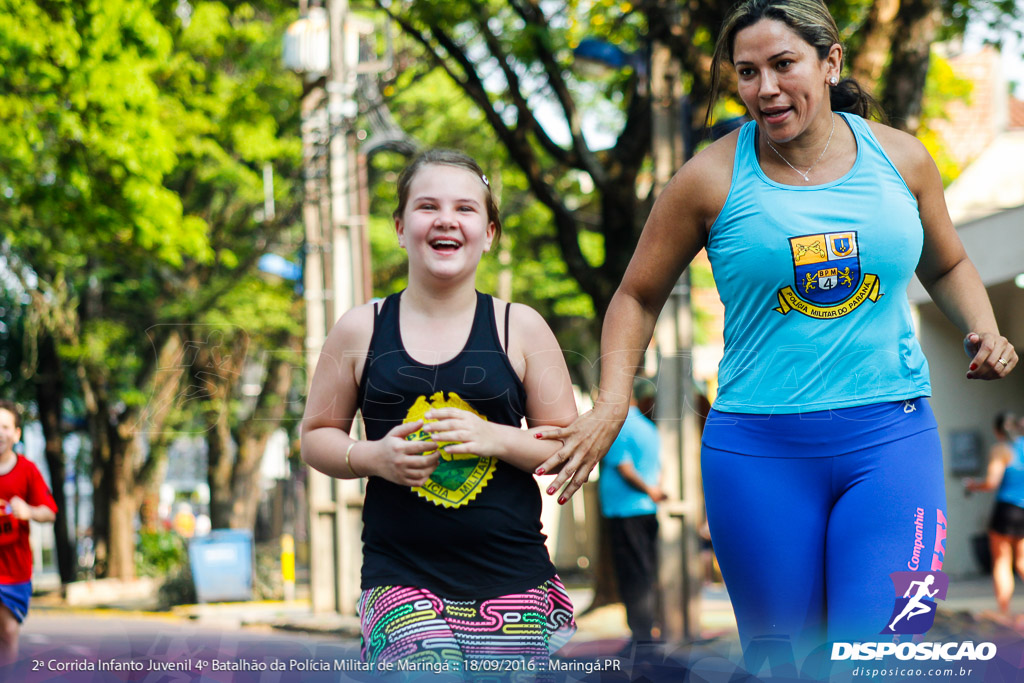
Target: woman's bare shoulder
(704, 180)
(907, 153)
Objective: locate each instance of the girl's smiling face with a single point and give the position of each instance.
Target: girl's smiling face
(9, 433)
(782, 80)
(444, 226)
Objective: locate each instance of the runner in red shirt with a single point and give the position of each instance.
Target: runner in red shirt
(23, 496)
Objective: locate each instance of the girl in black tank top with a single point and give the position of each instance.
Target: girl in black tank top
(454, 560)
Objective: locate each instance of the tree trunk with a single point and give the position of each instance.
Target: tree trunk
(235, 483)
(121, 508)
(606, 587)
(245, 482)
(50, 399)
(120, 472)
(917, 26)
(99, 437)
(868, 64)
(218, 474)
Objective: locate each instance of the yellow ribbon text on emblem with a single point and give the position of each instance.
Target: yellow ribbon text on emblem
(869, 290)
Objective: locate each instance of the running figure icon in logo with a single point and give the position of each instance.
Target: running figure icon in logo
(914, 612)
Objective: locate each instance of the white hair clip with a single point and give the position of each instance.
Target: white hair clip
(486, 182)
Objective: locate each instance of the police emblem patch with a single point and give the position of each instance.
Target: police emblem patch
(828, 282)
(459, 477)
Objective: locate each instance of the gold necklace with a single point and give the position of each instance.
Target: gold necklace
(803, 174)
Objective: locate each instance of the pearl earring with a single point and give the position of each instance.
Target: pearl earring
(833, 80)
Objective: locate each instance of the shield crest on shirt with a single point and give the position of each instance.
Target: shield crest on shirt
(826, 267)
(828, 282)
(458, 478)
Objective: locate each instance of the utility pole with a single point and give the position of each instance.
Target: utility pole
(323, 45)
(682, 514)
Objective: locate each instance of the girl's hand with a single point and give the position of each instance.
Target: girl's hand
(401, 461)
(19, 508)
(992, 356)
(584, 443)
(471, 433)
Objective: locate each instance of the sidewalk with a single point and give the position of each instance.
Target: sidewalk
(969, 606)
(600, 632)
(600, 645)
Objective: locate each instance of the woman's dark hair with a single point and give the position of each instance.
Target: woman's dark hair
(447, 157)
(1002, 420)
(809, 19)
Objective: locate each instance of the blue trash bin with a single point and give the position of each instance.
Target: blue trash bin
(222, 565)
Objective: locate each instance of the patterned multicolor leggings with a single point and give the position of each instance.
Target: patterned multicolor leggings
(417, 627)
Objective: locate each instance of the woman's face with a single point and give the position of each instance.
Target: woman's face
(445, 227)
(781, 79)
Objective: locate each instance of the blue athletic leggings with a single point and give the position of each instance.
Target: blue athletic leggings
(806, 541)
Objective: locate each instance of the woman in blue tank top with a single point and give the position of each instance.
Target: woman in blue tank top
(455, 570)
(1005, 475)
(821, 462)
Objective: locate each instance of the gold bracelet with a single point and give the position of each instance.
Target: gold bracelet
(348, 463)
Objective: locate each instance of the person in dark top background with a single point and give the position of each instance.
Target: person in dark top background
(1005, 475)
(629, 488)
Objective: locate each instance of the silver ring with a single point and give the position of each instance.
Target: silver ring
(1003, 361)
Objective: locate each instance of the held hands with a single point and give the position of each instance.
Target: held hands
(463, 432)
(992, 356)
(584, 443)
(403, 462)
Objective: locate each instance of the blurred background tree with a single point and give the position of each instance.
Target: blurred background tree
(136, 135)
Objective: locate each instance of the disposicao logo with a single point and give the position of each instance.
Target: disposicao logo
(914, 614)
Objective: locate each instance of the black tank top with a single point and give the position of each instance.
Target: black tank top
(473, 531)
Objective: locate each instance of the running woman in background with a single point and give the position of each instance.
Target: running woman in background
(1005, 475)
(821, 460)
(24, 496)
(454, 563)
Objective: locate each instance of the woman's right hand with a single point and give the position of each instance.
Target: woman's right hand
(584, 443)
(399, 460)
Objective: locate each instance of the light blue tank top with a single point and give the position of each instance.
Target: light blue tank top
(814, 281)
(1011, 490)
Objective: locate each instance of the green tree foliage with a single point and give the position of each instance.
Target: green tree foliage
(514, 60)
(135, 136)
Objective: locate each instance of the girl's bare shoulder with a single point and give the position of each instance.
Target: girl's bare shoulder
(354, 329)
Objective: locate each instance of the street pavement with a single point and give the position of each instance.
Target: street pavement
(284, 641)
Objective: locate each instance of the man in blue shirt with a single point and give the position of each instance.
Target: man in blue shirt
(629, 489)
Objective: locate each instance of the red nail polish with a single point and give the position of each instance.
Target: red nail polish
(974, 366)
(551, 491)
(538, 435)
(540, 471)
(561, 501)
